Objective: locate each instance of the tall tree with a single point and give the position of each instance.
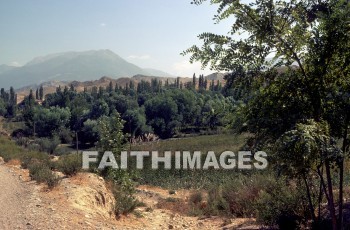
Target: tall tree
(37, 94)
(110, 87)
(315, 35)
(41, 93)
(194, 81)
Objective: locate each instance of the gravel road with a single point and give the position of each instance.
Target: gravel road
(14, 195)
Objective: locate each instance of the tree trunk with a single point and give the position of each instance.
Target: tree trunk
(321, 191)
(311, 206)
(331, 197)
(320, 173)
(341, 174)
(77, 142)
(341, 180)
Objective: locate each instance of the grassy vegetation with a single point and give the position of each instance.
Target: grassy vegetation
(9, 150)
(42, 173)
(39, 163)
(11, 126)
(70, 164)
(217, 143)
(194, 179)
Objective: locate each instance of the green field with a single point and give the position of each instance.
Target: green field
(216, 143)
(194, 179)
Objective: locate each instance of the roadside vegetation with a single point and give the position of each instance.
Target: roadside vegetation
(295, 107)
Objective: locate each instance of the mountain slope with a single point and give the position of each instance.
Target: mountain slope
(158, 73)
(5, 68)
(79, 66)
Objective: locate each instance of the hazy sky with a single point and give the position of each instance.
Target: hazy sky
(148, 33)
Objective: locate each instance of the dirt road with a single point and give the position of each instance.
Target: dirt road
(26, 205)
(14, 195)
(76, 204)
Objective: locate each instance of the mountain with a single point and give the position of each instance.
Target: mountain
(68, 66)
(216, 76)
(5, 68)
(158, 73)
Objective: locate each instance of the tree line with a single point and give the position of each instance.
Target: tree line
(146, 107)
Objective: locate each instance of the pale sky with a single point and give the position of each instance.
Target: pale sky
(148, 33)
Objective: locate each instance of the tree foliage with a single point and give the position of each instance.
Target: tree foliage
(291, 61)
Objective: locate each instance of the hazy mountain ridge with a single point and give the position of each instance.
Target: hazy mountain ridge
(68, 66)
(155, 72)
(50, 86)
(4, 68)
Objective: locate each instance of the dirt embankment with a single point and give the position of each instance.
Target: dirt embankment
(84, 202)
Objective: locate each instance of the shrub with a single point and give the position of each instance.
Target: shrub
(242, 194)
(196, 197)
(123, 189)
(41, 173)
(34, 156)
(17, 133)
(65, 135)
(281, 206)
(23, 141)
(171, 199)
(125, 202)
(48, 144)
(63, 150)
(216, 203)
(33, 146)
(8, 149)
(70, 164)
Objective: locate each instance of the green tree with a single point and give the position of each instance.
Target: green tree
(46, 121)
(111, 138)
(194, 81)
(37, 94)
(2, 107)
(162, 115)
(89, 132)
(110, 87)
(315, 36)
(41, 93)
(135, 122)
(99, 108)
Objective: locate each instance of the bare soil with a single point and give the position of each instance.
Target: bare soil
(84, 202)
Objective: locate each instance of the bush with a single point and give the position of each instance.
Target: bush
(123, 189)
(281, 205)
(216, 203)
(34, 156)
(18, 133)
(41, 173)
(242, 194)
(269, 199)
(23, 141)
(48, 144)
(33, 146)
(196, 197)
(65, 135)
(63, 150)
(70, 164)
(125, 202)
